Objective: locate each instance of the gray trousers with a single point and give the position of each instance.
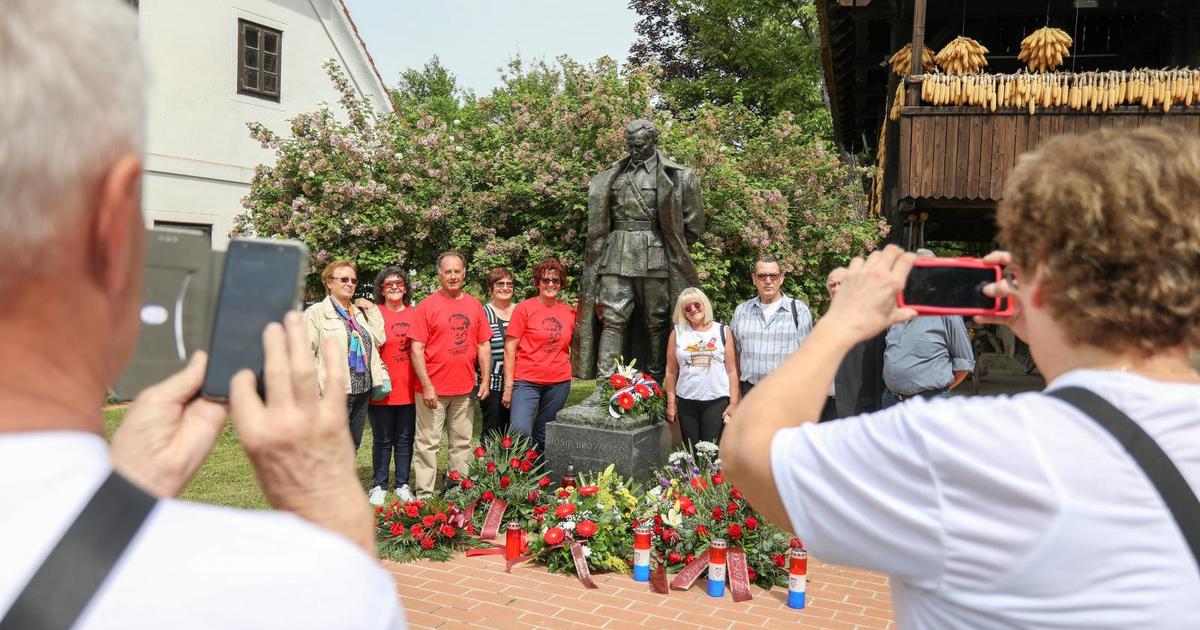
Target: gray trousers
(617, 297)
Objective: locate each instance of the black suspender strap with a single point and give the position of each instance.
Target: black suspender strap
(1167, 479)
(82, 559)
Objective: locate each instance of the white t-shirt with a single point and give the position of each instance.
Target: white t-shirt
(190, 565)
(701, 359)
(1006, 512)
(769, 309)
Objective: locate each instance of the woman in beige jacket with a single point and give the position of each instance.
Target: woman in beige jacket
(358, 326)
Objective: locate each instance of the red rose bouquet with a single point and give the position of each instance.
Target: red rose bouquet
(628, 391)
(596, 515)
(692, 503)
(428, 530)
(507, 468)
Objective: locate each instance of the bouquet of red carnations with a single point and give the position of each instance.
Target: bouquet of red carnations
(628, 391)
(692, 503)
(426, 530)
(503, 480)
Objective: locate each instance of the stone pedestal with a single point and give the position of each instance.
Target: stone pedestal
(589, 439)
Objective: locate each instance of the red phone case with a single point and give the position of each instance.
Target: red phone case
(1003, 306)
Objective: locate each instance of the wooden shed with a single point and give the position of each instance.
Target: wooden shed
(944, 166)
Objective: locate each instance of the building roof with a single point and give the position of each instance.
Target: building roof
(366, 51)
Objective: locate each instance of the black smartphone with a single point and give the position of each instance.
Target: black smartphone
(952, 286)
(261, 282)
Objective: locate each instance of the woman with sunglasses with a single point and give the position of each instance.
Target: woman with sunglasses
(499, 309)
(537, 355)
(394, 417)
(702, 377)
(356, 324)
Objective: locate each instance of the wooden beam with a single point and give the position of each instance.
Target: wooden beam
(918, 38)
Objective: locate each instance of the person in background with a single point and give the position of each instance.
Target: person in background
(926, 357)
(767, 327)
(72, 124)
(537, 355)
(858, 386)
(702, 377)
(357, 325)
(393, 419)
(450, 341)
(499, 310)
(1022, 511)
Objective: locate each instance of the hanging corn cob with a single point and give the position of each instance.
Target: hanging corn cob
(902, 60)
(962, 55)
(897, 102)
(1045, 49)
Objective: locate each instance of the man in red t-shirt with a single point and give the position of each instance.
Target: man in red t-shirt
(450, 337)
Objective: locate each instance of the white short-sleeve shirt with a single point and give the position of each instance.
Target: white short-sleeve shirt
(1004, 512)
(190, 565)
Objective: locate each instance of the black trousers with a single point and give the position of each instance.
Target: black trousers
(393, 427)
(356, 410)
(701, 420)
(495, 416)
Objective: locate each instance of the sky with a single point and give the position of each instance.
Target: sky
(473, 38)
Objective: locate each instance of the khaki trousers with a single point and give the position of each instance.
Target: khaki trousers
(454, 413)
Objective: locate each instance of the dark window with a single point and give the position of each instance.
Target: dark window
(203, 228)
(259, 48)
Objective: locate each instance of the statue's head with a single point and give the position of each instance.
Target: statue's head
(641, 137)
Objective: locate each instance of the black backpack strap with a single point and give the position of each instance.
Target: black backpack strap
(795, 316)
(82, 559)
(1167, 479)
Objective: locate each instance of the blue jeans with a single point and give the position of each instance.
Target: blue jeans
(533, 406)
(889, 399)
(393, 427)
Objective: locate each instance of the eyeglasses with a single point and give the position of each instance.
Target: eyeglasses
(395, 284)
(694, 307)
(557, 281)
(764, 277)
(504, 284)
(346, 279)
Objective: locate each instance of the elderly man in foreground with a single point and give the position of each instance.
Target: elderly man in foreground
(71, 243)
(1023, 511)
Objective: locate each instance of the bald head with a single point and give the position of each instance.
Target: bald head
(834, 280)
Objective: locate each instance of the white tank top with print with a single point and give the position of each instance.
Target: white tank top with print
(701, 357)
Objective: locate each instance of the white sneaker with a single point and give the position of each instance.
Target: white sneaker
(376, 496)
(405, 494)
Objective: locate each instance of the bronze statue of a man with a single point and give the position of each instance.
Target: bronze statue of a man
(643, 213)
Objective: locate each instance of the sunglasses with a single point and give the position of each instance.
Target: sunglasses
(505, 284)
(555, 281)
(767, 276)
(694, 307)
(395, 284)
(345, 279)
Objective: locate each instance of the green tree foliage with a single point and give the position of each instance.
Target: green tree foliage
(505, 181)
(763, 53)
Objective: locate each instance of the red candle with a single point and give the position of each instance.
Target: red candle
(512, 541)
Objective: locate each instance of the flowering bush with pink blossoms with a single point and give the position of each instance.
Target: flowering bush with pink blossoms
(505, 180)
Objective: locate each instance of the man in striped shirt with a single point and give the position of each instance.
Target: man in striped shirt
(768, 327)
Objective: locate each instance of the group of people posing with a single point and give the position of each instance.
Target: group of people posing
(416, 371)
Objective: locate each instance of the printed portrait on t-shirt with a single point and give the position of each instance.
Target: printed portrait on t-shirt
(553, 329)
(701, 353)
(398, 335)
(460, 326)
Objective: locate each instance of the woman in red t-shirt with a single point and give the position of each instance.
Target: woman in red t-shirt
(537, 355)
(393, 419)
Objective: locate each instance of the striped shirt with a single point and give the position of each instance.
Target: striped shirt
(499, 329)
(763, 344)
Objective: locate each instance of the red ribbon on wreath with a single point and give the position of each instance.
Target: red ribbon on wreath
(491, 522)
(739, 575)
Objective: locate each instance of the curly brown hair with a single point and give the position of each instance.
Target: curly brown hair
(1114, 219)
(549, 264)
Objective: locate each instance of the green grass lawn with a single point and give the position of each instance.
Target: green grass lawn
(228, 479)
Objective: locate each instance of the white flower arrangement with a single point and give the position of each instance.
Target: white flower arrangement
(708, 448)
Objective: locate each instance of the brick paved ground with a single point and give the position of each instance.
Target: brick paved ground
(475, 592)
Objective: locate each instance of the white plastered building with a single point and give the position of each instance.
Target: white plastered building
(217, 65)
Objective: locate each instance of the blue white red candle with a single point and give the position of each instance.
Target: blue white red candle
(797, 578)
(716, 568)
(641, 553)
